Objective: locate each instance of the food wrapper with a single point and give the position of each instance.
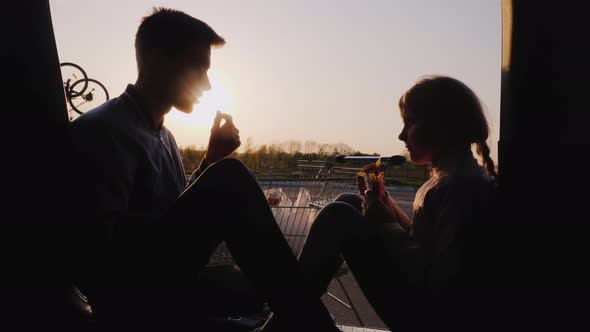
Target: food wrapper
(274, 196)
(371, 177)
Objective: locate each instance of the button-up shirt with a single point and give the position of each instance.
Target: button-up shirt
(134, 172)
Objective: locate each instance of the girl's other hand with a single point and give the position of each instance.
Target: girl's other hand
(384, 210)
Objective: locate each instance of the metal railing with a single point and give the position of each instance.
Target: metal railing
(296, 201)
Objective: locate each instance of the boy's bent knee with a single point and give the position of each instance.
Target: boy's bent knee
(229, 162)
(231, 167)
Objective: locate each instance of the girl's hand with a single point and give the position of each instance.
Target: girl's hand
(370, 177)
(361, 178)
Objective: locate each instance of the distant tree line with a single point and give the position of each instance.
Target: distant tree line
(281, 159)
(281, 156)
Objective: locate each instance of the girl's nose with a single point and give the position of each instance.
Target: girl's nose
(402, 135)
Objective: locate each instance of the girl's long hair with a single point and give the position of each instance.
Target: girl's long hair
(454, 108)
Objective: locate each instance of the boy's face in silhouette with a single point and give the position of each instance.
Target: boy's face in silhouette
(189, 78)
(420, 139)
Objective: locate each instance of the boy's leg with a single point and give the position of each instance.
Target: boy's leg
(227, 292)
(227, 204)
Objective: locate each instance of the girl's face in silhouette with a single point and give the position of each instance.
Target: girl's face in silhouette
(420, 138)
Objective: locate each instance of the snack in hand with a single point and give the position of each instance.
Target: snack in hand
(372, 178)
(361, 182)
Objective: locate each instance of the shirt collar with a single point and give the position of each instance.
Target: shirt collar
(140, 105)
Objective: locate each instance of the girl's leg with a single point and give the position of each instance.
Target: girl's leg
(340, 231)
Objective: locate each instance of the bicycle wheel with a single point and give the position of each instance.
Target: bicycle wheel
(71, 72)
(94, 95)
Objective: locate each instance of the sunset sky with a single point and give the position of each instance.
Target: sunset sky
(329, 71)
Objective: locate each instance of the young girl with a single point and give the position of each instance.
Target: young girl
(432, 273)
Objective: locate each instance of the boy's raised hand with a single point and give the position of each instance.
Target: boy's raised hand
(224, 139)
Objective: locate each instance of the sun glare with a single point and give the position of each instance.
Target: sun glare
(210, 102)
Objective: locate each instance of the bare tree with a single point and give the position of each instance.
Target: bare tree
(249, 147)
(324, 149)
(342, 148)
(293, 147)
(310, 146)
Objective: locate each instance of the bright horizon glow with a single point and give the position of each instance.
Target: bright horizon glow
(329, 71)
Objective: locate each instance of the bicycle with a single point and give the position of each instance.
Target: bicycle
(82, 93)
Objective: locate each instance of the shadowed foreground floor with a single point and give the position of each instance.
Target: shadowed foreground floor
(346, 328)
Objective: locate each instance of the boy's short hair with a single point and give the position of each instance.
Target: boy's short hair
(172, 32)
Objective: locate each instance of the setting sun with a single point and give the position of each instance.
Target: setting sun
(218, 98)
